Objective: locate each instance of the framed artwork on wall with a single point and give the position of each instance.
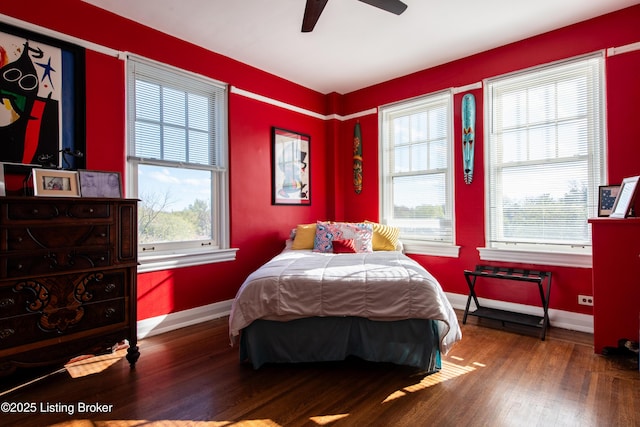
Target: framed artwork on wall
(290, 168)
(606, 198)
(625, 198)
(55, 183)
(42, 86)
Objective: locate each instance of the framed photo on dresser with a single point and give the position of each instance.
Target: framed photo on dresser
(100, 184)
(55, 183)
(607, 195)
(625, 198)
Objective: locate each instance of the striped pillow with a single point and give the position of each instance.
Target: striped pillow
(385, 237)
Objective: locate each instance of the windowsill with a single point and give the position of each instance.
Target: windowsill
(434, 249)
(166, 261)
(562, 259)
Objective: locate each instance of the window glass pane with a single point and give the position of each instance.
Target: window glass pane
(438, 123)
(545, 203)
(573, 139)
(438, 156)
(175, 144)
(420, 196)
(175, 204)
(402, 159)
(148, 140)
(542, 143)
(401, 130)
(513, 147)
(419, 131)
(541, 104)
(199, 147)
(511, 109)
(173, 107)
(147, 101)
(198, 112)
(420, 157)
(571, 99)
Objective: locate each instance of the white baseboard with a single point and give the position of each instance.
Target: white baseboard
(557, 318)
(169, 322)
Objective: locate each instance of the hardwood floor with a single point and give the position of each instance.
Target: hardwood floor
(192, 377)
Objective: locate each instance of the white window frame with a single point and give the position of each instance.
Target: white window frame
(411, 243)
(164, 256)
(547, 254)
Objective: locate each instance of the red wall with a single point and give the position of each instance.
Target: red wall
(623, 87)
(258, 228)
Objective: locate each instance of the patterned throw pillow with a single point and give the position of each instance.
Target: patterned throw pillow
(323, 238)
(326, 233)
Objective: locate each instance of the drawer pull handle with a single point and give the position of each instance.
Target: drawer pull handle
(35, 211)
(109, 312)
(110, 287)
(6, 333)
(19, 267)
(7, 302)
(90, 210)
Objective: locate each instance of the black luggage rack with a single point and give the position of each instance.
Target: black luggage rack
(542, 278)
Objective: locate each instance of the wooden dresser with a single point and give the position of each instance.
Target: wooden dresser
(67, 279)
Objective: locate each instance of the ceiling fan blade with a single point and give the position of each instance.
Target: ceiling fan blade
(312, 12)
(393, 6)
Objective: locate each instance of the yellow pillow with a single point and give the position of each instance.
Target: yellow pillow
(305, 235)
(385, 237)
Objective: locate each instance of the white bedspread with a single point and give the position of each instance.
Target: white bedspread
(381, 285)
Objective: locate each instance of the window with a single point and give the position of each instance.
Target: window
(544, 156)
(177, 163)
(416, 172)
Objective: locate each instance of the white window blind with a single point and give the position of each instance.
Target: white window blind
(176, 115)
(416, 168)
(545, 155)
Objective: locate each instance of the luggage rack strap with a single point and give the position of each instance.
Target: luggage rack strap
(509, 273)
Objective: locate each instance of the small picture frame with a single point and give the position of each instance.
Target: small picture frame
(100, 184)
(625, 198)
(55, 183)
(607, 195)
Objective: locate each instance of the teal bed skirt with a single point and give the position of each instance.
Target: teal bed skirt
(412, 342)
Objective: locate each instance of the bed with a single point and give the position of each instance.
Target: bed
(312, 304)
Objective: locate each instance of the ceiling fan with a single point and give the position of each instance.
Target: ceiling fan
(314, 8)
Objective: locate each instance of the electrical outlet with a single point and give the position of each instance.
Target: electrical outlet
(585, 300)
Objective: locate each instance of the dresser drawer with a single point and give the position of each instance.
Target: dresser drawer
(53, 324)
(53, 209)
(52, 262)
(102, 286)
(34, 238)
(51, 293)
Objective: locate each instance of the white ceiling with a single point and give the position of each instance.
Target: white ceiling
(354, 45)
